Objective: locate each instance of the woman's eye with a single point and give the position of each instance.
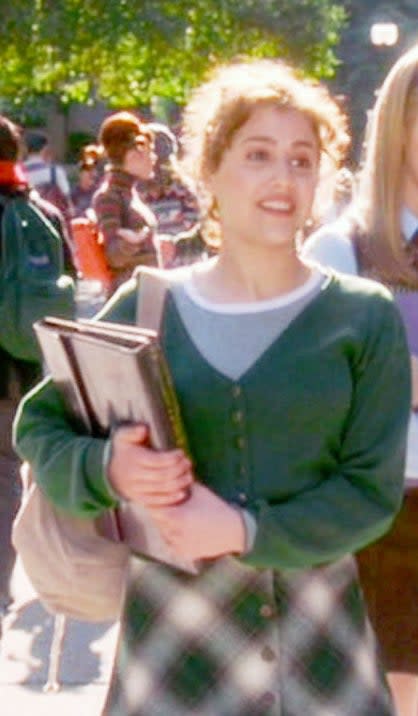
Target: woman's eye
(257, 155)
(301, 162)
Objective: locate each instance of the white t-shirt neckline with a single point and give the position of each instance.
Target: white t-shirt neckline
(315, 278)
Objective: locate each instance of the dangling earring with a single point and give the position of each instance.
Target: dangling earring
(213, 209)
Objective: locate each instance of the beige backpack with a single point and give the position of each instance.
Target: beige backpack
(74, 565)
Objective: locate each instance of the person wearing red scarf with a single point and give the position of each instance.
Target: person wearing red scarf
(16, 376)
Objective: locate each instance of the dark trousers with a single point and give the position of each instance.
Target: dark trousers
(16, 377)
(9, 496)
(389, 577)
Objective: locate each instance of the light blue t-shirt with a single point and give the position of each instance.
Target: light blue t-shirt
(232, 336)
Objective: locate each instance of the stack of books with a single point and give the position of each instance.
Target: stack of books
(110, 375)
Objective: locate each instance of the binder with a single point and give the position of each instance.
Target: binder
(111, 374)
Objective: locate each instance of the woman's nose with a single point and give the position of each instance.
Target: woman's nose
(282, 171)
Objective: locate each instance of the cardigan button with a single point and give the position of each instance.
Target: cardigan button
(267, 653)
(266, 611)
(238, 416)
(242, 498)
(240, 442)
(236, 391)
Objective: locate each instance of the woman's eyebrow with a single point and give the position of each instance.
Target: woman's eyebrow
(259, 138)
(270, 140)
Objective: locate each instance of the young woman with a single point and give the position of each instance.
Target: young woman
(377, 238)
(126, 223)
(294, 389)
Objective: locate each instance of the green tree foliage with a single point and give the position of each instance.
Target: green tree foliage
(126, 52)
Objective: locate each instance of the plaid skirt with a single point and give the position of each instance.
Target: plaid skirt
(239, 641)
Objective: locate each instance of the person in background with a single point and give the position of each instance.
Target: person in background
(342, 193)
(87, 180)
(377, 237)
(48, 178)
(170, 195)
(187, 247)
(294, 389)
(51, 190)
(126, 223)
(16, 376)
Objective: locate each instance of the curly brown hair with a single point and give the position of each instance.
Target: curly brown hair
(222, 104)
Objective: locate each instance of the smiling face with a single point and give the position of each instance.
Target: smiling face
(265, 183)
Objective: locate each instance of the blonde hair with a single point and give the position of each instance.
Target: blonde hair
(220, 106)
(379, 198)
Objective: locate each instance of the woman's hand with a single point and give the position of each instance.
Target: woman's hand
(203, 526)
(141, 474)
(134, 237)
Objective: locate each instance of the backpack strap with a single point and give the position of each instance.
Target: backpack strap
(152, 287)
(53, 175)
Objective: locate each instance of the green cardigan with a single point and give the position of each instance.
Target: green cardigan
(311, 439)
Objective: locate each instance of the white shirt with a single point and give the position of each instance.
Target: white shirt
(39, 173)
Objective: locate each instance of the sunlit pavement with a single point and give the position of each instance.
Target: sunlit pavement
(25, 665)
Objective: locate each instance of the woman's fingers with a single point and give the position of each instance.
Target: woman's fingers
(136, 436)
(160, 468)
(162, 489)
(164, 485)
(158, 500)
(137, 472)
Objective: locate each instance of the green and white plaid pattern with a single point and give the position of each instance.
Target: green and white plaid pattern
(237, 641)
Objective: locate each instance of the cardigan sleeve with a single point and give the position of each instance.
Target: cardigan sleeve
(355, 504)
(70, 467)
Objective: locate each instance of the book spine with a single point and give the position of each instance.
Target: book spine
(160, 376)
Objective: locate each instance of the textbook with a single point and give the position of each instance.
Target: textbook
(109, 375)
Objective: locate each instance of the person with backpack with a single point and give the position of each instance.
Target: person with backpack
(48, 178)
(31, 263)
(49, 181)
(16, 375)
(294, 390)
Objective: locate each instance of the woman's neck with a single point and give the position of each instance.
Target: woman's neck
(251, 276)
(118, 174)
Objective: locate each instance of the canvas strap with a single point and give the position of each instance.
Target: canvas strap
(152, 288)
